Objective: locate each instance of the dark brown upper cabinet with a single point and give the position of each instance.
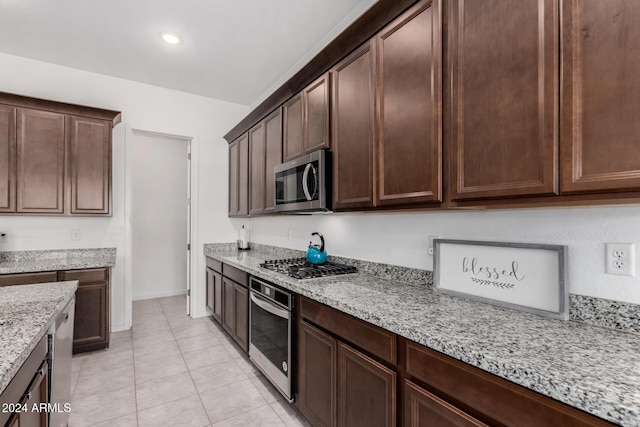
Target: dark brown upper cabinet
(306, 120)
(7, 158)
(40, 161)
(354, 129)
(503, 75)
(55, 158)
(409, 54)
(89, 159)
(600, 92)
(386, 106)
(265, 152)
(256, 168)
(239, 177)
(273, 157)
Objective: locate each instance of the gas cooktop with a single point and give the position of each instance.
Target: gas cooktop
(299, 268)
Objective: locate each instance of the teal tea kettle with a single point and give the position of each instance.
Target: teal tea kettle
(316, 254)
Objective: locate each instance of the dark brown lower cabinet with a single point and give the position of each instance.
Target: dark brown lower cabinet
(235, 312)
(352, 373)
(484, 396)
(317, 375)
(214, 294)
(424, 409)
(91, 327)
(366, 390)
(29, 387)
(340, 386)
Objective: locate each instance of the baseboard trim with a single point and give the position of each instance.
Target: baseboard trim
(159, 295)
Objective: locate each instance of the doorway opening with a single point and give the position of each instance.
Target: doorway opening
(160, 216)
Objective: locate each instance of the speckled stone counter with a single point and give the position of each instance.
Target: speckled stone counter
(53, 260)
(26, 313)
(591, 368)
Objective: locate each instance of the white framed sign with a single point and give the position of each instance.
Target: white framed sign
(522, 276)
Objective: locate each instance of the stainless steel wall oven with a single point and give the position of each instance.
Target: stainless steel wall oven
(270, 321)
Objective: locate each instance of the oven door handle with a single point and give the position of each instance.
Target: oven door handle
(267, 306)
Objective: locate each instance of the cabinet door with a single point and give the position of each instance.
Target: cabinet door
(423, 409)
(91, 322)
(209, 290)
(89, 145)
(257, 168)
(317, 375)
(217, 296)
(40, 161)
(7, 159)
(409, 116)
(243, 176)
(293, 132)
(366, 390)
(228, 309)
(90, 326)
(316, 115)
(504, 98)
(239, 176)
(273, 130)
(600, 92)
(241, 331)
(233, 177)
(354, 128)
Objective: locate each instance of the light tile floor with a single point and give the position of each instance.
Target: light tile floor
(171, 370)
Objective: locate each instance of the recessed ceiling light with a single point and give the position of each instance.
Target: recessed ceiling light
(170, 38)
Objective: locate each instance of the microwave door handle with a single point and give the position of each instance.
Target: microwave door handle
(305, 181)
(265, 305)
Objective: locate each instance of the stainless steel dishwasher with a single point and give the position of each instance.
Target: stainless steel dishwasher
(60, 349)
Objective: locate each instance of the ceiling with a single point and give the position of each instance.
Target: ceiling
(233, 50)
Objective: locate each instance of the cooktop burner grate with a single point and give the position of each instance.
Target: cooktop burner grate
(299, 268)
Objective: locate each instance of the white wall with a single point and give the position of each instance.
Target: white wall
(143, 107)
(401, 238)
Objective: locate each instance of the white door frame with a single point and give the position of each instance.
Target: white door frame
(192, 220)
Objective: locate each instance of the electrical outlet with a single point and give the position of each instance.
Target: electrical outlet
(75, 234)
(620, 259)
(290, 234)
(430, 248)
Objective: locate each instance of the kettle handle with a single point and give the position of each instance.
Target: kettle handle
(315, 233)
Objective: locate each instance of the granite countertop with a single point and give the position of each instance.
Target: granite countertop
(26, 313)
(591, 368)
(53, 260)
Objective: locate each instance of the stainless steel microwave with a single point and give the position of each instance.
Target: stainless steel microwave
(304, 184)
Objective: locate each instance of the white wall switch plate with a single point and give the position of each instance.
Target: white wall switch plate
(620, 259)
(75, 234)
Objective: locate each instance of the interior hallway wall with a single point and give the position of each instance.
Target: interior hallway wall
(143, 107)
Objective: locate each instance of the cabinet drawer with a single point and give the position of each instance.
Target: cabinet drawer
(236, 275)
(28, 278)
(485, 394)
(370, 338)
(422, 408)
(214, 264)
(86, 276)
